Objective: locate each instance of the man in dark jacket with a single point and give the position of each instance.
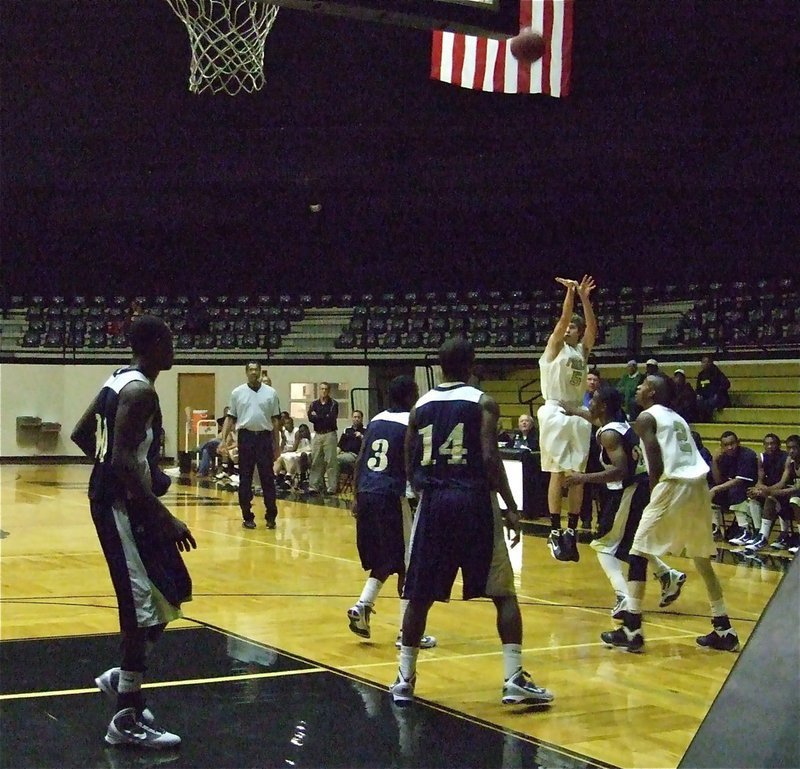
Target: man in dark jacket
(712, 389)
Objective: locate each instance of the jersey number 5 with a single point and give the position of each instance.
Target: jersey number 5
(452, 450)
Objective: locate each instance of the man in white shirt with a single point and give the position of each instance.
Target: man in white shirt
(256, 413)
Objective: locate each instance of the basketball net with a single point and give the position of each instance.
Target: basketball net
(227, 39)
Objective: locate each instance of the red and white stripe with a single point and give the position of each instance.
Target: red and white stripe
(486, 63)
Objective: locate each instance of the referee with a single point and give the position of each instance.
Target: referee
(255, 410)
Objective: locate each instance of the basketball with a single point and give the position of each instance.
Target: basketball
(527, 46)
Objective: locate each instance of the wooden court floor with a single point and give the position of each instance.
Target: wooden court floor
(287, 591)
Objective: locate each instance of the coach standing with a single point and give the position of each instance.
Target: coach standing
(323, 413)
(256, 412)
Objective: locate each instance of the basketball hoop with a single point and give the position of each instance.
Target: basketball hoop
(227, 39)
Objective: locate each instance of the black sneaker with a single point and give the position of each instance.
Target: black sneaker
(570, 545)
(271, 524)
(624, 638)
(248, 524)
(556, 544)
(724, 640)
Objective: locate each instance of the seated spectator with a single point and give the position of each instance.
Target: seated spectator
(735, 469)
(208, 451)
(592, 383)
(651, 367)
(525, 439)
(350, 443)
(685, 399)
(712, 389)
(293, 462)
(627, 385)
(774, 489)
(229, 456)
(525, 436)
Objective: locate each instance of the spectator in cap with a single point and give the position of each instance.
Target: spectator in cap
(627, 385)
(685, 400)
(651, 367)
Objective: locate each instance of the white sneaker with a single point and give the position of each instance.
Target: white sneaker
(126, 729)
(521, 690)
(108, 683)
(402, 690)
(618, 612)
(742, 539)
(359, 619)
(173, 471)
(426, 642)
(671, 584)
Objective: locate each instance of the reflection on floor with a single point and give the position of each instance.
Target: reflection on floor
(263, 708)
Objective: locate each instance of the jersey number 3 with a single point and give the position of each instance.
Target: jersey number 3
(452, 450)
(379, 458)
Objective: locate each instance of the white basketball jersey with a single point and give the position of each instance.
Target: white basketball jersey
(680, 455)
(564, 377)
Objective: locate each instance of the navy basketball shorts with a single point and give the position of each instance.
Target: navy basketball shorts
(380, 531)
(453, 529)
(149, 577)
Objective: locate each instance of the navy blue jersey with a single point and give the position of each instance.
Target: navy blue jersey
(773, 465)
(633, 454)
(448, 452)
(381, 465)
(742, 465)
(104, 484)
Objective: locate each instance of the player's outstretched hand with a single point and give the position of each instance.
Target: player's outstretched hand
(586, 286)
(511, 522)
(176, 530)
(567, 283)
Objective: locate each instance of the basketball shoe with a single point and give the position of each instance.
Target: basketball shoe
(126, 729)
(108, 683)
(756, 544)
(671, 584)
(721, 638)
(426, 642)
(521, 690)
(402, 690)
(562, 545)
(359, 619)
(624, 638)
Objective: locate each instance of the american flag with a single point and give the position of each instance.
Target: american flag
(486, 63)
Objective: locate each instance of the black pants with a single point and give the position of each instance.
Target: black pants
(255, 450)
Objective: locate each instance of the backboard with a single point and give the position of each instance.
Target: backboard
(484, 17)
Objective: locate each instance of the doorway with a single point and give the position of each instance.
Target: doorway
(196, 393)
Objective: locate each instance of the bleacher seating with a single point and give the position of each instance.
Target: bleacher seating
(730, 317)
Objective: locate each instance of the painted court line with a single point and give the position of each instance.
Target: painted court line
(164, 684)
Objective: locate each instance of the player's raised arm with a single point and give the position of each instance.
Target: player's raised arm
(586, 286)
(556, 340)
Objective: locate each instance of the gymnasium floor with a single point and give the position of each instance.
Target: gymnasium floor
(263, 671)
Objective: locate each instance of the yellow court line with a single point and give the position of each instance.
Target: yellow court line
(164, 684)
(527, 650)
